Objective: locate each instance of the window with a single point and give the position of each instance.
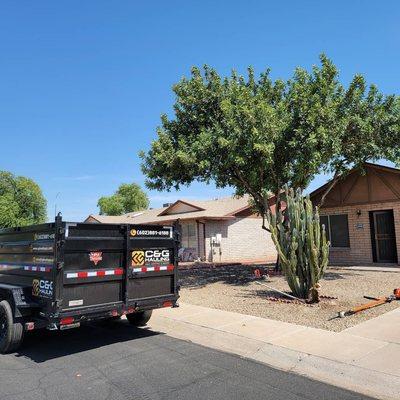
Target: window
(337, 229)
(189, 237)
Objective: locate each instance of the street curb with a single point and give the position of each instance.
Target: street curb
(345, 375)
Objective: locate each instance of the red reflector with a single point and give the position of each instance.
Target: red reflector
(101, 273)
(170, 268)
(82, 274)
(119, 271)
(30, 326)
(167, 304)
(67, 321)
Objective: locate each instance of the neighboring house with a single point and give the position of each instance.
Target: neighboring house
(113, 219)
(362, 216)
(220, 230)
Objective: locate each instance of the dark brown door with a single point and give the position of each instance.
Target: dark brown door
(384, 235)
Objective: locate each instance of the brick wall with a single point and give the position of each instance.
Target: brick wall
(360, 250)
(243, 239)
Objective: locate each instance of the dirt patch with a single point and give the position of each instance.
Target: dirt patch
(234, 289)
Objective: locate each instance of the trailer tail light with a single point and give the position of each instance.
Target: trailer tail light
(29, 326)
(167, 304)
(67, 321)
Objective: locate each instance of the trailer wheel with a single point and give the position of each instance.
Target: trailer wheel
(11, 333)
(140, 318)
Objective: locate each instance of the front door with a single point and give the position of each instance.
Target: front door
(384, 236)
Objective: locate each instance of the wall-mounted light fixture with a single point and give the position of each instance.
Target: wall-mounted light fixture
(358, 213)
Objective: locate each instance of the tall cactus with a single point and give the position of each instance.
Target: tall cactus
(301, 243)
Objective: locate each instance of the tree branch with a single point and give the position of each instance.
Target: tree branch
(261, 202)
(332, 184)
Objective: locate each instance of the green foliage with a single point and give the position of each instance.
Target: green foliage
(111, 205)
(128, 198)
(302, 246)
(21, 201)
(257, 135)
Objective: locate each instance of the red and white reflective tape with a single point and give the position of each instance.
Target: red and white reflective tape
(37, 269)
(92, 274)
(30, 268)
(7, 266)
(155, 268)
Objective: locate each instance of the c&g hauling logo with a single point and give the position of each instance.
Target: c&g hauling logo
(42, 288)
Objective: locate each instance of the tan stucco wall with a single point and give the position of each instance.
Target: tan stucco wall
(243, 239)
(360, 250)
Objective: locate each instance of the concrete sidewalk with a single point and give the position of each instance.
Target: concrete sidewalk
(362, 358)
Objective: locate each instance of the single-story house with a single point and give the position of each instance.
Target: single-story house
(362, 216)
(219, 230)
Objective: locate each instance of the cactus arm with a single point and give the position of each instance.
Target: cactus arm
(301, 243)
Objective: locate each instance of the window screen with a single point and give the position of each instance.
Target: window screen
(189, 237)
(337, 229)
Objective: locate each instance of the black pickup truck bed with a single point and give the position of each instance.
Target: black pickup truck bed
(59, 275)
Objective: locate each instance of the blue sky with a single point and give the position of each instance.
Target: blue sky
(83, 84)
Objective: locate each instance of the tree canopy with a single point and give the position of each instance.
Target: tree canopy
(128, 198)
(21, 201)
(257, 134)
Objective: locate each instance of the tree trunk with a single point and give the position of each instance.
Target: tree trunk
(277, 264)
(313, 295)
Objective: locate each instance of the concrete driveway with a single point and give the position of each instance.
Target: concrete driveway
(117, 361)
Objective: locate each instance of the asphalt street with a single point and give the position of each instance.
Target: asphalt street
(118, 362)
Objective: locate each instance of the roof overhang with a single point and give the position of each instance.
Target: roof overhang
(202, 218)
(357, 169)
(168, 209)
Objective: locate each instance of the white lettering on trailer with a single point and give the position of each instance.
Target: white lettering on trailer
(44, 236)
(75, 303)
(165, 232)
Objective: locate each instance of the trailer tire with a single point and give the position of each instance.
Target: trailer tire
(139, 318)
(11, 333)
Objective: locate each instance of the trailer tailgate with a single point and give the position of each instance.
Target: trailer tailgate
(119, 266)
(153, 258)
(94, 265)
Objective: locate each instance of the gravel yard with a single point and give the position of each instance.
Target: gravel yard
(233, 288)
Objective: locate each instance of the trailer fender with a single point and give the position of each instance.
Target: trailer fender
(16, 298)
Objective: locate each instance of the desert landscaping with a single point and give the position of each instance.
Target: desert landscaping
(234, 288)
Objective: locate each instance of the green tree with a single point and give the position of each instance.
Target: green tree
(21, 201)
(258, 135)
(128, 198)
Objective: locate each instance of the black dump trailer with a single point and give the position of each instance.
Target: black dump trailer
(62, 274)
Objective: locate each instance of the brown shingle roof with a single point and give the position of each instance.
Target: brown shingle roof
(223, 208)
(109, 219)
